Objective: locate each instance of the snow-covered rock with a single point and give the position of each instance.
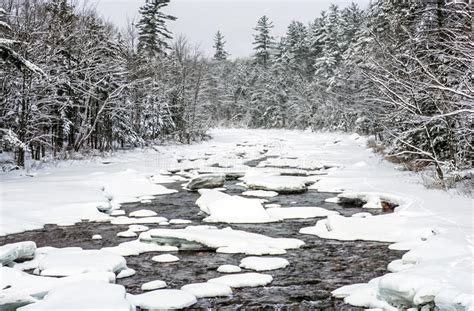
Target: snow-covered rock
(179, 221)
(280, 184)
(228, 269)
(207, 290)
(206, 181)
(222, 207)
(152, 285)
(127, 234)
(164, 299)
(165, 258)
(64, 262)
(243, 280)
(124, 220)
(125, 273)
(263, 263)
(221, 240)
(96, 237)
(260, 193)
(143, 213)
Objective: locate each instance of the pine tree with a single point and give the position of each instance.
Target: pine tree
(153, 34)
(219, 43)
(263, 41)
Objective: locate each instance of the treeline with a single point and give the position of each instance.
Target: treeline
(72, 82)
(400, 70)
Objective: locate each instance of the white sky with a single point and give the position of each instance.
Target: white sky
(199, 20)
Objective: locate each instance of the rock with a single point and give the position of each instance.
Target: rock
(206, 181)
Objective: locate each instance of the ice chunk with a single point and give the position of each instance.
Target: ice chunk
(299, 212)
(243, 280)
(207, 290)
(163, 299)
(143, 213)
(229, 269)
(165, 258)
(263, 263)
(153, 285)
(64, 262)
(96, 237)
(14, 251)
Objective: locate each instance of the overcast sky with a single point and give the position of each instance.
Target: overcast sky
(199, 20)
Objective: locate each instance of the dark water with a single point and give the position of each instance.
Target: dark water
(315, 270)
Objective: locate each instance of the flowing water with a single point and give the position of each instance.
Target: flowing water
(315, 270)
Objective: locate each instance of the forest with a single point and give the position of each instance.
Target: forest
(400, 71)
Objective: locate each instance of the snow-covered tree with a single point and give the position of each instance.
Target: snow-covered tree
(219, 45)
(154, 35)
(263, 41)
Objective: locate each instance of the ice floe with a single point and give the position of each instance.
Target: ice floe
(143, 213)
(260, 193)
(165, 258)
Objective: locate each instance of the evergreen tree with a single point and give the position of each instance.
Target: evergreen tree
(219, 43)
(153, 34)
(263, 41)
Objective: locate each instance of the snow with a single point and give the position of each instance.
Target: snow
(263, 263)
(84, 295)
(138, 228)
(207, 290)
(162, 179)
(20, 288)
(299, 212)
(179, 221)
(222, 240)
(127, 234)
(152, 285)
(136, 247)
(163, 299)
(143, 213)
(165, 258)
(126, 273)
(228, 269)
(260, 193)
(14, 251)
(64, 262)
(435, 226)
(251, 279)
(370, 199)
(96, 237)
(225, 208)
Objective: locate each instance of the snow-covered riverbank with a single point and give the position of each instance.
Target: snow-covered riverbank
(436, 227)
